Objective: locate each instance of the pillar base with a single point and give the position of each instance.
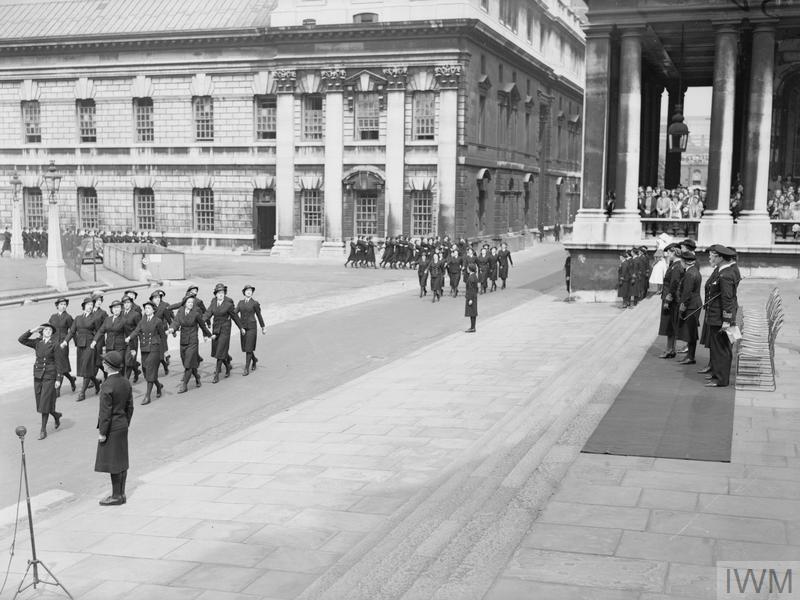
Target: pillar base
(753, 229)
(282, 248)
(332, 250)
(716, 227)
(57, 275)
(591, 227)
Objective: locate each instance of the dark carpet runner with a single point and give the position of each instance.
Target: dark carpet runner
(665, 411)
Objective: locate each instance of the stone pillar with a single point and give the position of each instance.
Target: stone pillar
(590, 220)
(447, 77)
(333, 79)
(716, 227)
(755, 226)
(395, 148)
(17, 247)
(56, 268)
(672, 165)
(284, 162)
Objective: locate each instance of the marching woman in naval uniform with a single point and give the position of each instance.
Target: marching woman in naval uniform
(45, 373)
(164, 313)
(188, 320)
(422, 273)
(111, 334)
(61, 322)
(115, 411)
(471, 297)
(503, 260)
(220, 313)
(150, 332)
(437, 268)
(248, 311)
(99, 318)
(83, 331)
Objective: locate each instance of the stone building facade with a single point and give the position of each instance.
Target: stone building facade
(298, 124)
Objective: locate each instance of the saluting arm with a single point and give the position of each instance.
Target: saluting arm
(25, 340)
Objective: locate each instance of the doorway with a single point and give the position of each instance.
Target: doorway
(264, 218)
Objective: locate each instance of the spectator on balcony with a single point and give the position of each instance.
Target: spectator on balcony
(736, 204)
(663, 205)
(647, 204)
(695, 206)
(794, 208)
(675, 206)
(785, 212)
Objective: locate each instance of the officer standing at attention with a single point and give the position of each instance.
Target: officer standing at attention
(45, 373)
(722, 308)
(471, 296)
(690, 305)
(115, 411)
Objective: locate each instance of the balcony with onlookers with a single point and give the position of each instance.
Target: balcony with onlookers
(676, 212)
(783, 206)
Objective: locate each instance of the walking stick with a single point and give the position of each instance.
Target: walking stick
(701, 308)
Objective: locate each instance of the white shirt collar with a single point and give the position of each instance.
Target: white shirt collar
(726, 265)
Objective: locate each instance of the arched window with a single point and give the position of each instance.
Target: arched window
(365, 17)
(697, 177)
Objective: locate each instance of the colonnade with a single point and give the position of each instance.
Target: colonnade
(613, 133)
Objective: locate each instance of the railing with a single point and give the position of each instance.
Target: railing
(786, 231)
(686, 228)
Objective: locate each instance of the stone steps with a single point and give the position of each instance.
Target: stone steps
(427, 546)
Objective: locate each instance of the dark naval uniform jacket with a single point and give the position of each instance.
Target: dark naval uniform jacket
(114, 418)
(221, 314)
(249, 312)
(44, 371)
(114, 330)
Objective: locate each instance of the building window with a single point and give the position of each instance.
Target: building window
(367, 116)
(509, 14)
(88, 208)
(33, 207)
(203, 108)
(365, 18)
(512, 127)
(697, 177)
(143, 113)
(203, 209)
(529, 26)
(502, 124)
(144, 208)
(86, 120)
(31, 119)
(313, 117)
(366, 213)
(500, 73)
(485, 6)
(527, 131)
(482, 120)
(542, 37)
(266, 117)
(421, 213)
(312, 211)
(424, 112)
(483, 63)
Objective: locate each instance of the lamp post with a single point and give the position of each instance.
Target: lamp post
(17, 249)
(56, 269)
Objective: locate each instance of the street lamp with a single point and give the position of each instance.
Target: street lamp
(677, 132)
(17, 249)
(56, 269)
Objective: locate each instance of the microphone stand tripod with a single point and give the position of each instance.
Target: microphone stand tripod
(33, 562)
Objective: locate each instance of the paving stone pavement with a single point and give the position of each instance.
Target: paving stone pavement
(453, 473)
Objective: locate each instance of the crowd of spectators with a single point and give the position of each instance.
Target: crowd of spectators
(679, 203)
(783, 203)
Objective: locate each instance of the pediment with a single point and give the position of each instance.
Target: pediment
(366, 81)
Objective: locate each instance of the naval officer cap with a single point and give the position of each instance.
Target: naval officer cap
(721, 250)
(688, 255)
(689, 243)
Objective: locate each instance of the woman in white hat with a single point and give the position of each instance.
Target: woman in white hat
(45, 373)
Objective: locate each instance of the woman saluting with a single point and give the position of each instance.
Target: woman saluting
(45, 373)
(188, 320)
(248, 311)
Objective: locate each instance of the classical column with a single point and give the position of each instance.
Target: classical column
(717, 224)
(595, 133)
(333, 79)
(630, 106)
(759, 134)
(672, 165)
(284, 161)
(395, 147)
(447, 77)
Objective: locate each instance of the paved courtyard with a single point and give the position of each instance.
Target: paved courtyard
(452, 472)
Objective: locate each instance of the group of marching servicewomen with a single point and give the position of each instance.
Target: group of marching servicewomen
(682, 302)
(490, 264)
(137, 333)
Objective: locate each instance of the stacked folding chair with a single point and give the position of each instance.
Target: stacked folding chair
(755, 368)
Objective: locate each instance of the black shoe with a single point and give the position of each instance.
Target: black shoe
(42, 434)
(166, 360)
(709, 384)
(146, 401)
(136, 374)
(96, 387)
(687, 361)
(112, 501)
(72, 384)
(182, 389)
(246, 372)
(159, 387)
(228, 370)
(216, 378)
(255, 360)
(667, 355)
(709, 377)
(197, 383)
(57, 419)
(470, 330)
(166, 368)
(81, 397)
(705, 370)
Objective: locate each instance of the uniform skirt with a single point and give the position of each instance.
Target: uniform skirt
(471, 310)
(45, 392)
(249, 338)
(455, 279)
(502, 270)
(704, 335)
(150, 363)
(190, 356)
(437, 282)
(667, 325)
(222, 343)
(687, 328)
(62, 360)
(86, 362)
(423, 278)
(112, 455)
